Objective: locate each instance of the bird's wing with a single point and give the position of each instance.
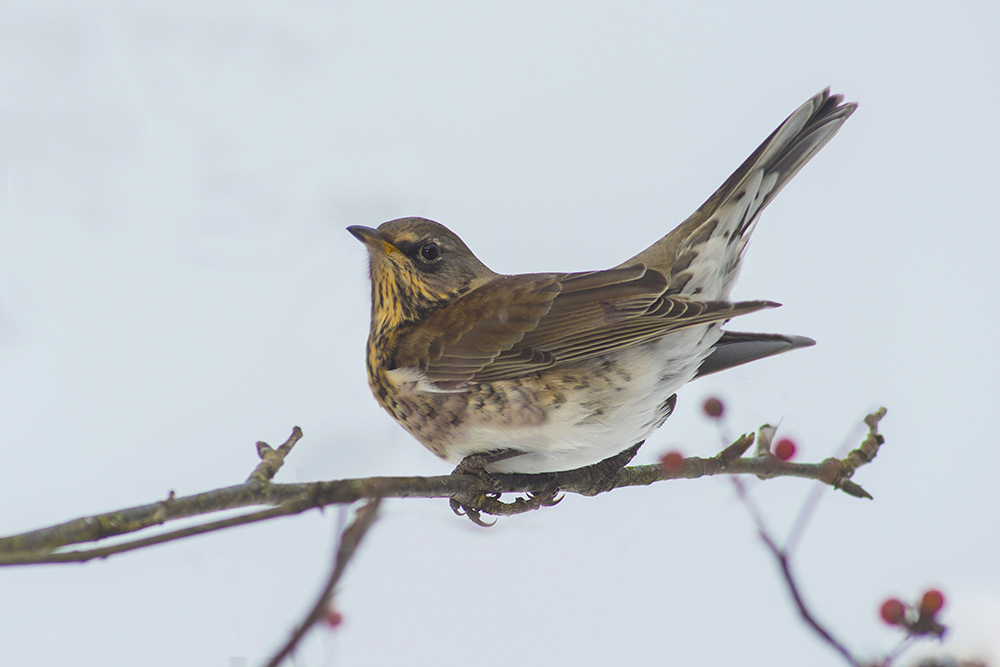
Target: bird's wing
(701, 256)
(521, 324)
(459, 340)
(592, 321)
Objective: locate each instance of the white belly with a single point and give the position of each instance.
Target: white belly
(601, 421)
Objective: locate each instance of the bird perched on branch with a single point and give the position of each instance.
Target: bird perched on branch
(552, 371)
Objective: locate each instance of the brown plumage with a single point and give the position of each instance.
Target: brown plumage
(571, 367)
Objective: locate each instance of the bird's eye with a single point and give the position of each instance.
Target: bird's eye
(430, 252)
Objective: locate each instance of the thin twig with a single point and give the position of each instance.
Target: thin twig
(904, 644)
(789, 578)
(802, 520)
(870, 444)
(856, 458)
(271, 460)
(349, 541)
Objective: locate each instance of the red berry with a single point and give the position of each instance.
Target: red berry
(672, 461)
(785, 449)
(714, 408)
(932, 602)
(893, 612)
(332, 618)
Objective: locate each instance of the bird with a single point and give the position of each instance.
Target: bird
(548, 372)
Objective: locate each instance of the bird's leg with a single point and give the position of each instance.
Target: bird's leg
(475, 464)
(602, 474)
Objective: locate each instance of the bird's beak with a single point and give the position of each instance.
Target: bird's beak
(371, 238)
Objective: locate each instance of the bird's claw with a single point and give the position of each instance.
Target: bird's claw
(474, 515)
(545, 498)
(489, 503)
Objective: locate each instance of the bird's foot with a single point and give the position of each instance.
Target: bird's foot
(489, 503)
(475, 505)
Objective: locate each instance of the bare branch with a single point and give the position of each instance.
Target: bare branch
(349, 541)
(869, 446)
(83, 555)
(848, 465)
(786, 571)
(37, 546)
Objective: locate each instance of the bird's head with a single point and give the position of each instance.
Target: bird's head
(416, 267)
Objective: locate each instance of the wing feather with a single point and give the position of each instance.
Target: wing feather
(522, 324)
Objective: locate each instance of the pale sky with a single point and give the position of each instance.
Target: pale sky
(180, 285)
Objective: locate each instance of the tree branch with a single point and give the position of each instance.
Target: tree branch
(37, 546)
(781, 556)
(349, 541)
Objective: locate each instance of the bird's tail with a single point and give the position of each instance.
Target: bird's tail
(702, 255)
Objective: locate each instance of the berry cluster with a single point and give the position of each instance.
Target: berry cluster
(917, 619)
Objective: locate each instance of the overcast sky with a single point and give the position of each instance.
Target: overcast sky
(180, 285)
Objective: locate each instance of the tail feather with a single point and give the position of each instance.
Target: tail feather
(701, 257)
(735, 349)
